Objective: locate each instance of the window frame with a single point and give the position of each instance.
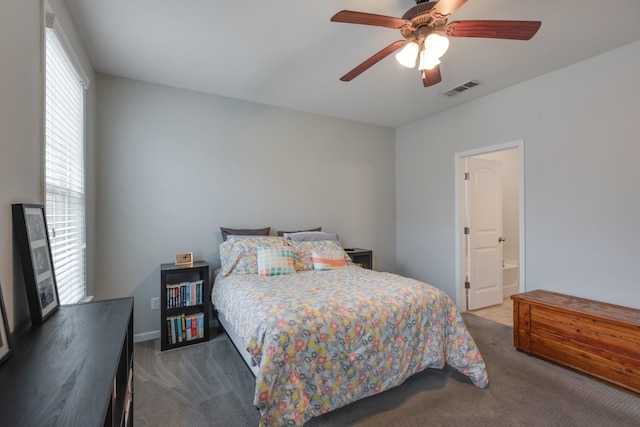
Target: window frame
(50, 23)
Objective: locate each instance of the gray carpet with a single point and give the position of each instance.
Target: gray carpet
(209, 385)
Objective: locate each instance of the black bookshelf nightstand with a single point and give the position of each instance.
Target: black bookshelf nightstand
(362, 257)
(184, 304)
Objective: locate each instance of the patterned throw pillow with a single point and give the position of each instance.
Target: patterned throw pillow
(328, 259)
(239, 255)
(275, 261)
(304, 252)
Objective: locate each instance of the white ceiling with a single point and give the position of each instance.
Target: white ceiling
(287, 53)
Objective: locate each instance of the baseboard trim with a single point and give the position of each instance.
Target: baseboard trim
(146, 336)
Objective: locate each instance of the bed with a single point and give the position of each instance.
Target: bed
(320, 338)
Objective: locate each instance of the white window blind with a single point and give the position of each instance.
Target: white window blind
(64, 170)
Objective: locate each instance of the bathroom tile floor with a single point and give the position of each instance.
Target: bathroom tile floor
(501, 313)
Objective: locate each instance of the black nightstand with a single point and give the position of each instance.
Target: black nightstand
(362, 257)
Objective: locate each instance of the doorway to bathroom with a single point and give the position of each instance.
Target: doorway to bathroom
(489, 227)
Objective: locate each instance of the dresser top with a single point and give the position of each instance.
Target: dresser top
(172, 266)
(61, 372)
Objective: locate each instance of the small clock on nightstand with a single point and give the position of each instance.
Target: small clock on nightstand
(361, 257)
(184, 259)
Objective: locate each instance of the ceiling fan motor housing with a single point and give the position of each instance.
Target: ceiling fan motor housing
(422, 22)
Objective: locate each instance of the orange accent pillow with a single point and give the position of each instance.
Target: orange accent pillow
(328, 260)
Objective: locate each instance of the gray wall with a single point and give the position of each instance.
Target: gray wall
(174, 166)
(581, 174)
(580, 127)
(21, 134)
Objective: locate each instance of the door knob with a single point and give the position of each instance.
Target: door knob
(501, 239)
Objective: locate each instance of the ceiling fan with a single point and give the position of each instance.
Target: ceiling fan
(424, 28)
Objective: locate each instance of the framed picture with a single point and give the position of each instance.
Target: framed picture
(6, 345)
(30, 230)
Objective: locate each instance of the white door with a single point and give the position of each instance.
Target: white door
(484, 220)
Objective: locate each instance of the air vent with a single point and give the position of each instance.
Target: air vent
(462, 88)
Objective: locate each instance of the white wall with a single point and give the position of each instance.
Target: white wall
(174, 166)
(21, 132)
(581, 179)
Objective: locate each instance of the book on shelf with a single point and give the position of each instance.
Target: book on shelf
(185, 328)
(184, 294)
(128, 398)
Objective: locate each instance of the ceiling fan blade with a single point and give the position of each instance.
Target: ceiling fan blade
(431, 77)
(351, 17)
(372, 60)
(514, 30)
(444, 8)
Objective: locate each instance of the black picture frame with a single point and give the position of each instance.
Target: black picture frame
(32, 238)
(6, 340)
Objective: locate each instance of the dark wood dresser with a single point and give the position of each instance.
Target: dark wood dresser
(74, 370)
(596, 338)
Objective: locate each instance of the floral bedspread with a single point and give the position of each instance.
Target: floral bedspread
(323, 339)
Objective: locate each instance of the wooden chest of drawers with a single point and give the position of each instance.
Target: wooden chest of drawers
(599, 339)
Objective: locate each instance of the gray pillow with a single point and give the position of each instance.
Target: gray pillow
(226, 232)
(310, 236)
(282, 233)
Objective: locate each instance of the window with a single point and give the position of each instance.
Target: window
(64, 165)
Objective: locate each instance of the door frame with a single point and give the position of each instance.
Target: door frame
(460, 210)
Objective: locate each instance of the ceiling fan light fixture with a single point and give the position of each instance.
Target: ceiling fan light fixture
(408, 55)
(436, 45)
(427, 61)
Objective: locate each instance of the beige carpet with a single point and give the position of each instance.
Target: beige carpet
(209, 385)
